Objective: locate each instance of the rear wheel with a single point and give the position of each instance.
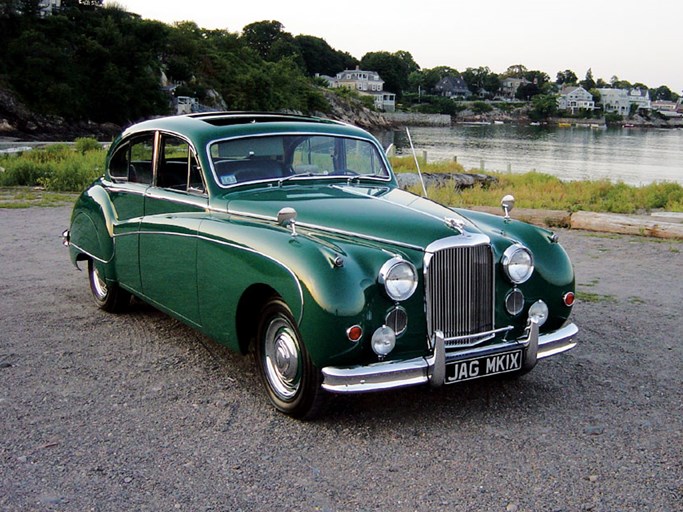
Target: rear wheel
(108, 296)
(291, 380)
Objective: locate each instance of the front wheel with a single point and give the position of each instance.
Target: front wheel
(291, 379)
(109, 297)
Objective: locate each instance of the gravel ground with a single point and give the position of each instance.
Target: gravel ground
(139, 412)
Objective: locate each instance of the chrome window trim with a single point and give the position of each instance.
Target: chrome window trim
(199, 200)
(380, 153)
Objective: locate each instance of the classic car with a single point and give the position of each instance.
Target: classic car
(287, 236)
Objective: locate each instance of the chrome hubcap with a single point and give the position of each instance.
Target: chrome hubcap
(99, 285)
(282, 359)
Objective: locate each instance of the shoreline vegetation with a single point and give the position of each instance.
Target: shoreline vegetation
(55, 171)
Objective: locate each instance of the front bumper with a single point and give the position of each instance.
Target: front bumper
(432, 369)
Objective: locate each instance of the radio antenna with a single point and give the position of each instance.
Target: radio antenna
(417, 164)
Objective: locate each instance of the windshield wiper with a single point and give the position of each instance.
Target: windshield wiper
(291, 177)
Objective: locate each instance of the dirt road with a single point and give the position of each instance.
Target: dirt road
(138, 412)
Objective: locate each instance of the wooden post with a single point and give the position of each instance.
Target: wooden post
(424, 155)
(482, 165)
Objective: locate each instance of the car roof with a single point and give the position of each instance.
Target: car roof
(204, 127)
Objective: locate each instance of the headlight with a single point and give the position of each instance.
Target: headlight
(399, 278)
(518, 263)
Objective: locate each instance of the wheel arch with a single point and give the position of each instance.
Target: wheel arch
(248, 311)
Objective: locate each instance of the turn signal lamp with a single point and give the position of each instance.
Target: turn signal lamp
(354, 333)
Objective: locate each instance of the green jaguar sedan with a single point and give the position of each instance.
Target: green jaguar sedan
(288, 237)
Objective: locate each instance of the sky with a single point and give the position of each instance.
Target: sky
(634, 40)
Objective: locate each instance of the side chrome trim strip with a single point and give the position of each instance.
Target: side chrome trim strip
(80, 249)
(325, 229)
(229, 244)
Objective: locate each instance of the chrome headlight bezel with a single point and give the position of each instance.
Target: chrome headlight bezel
(518, 270)
(399, 278)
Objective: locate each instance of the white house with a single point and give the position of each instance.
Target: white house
(619, 100)
(615, 100)
(367, 82)
(575, 98)
(509, 86)
(47, 7)
(640, 97)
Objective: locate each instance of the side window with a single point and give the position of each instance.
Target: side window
(178, 168)
(118, 165)
(133, 161)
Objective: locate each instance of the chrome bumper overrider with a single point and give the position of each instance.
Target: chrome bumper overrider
(432, 369)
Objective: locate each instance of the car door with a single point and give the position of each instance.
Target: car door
(175, 205)
(130, 169)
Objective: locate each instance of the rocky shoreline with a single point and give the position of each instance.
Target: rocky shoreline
(18, 123)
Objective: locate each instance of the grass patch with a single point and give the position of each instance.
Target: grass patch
(594, 297)
(542, 191)
(55, 168)
(26, 197)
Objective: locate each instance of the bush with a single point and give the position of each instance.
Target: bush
(85, 144)
(57, 168)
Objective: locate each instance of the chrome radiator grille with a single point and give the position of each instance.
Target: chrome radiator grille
(459, 287)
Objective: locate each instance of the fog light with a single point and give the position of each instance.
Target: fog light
(514, 301)
(397, 319)
(383, 341)
(539, 312)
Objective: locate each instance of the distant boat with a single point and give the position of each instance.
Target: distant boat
(598, 126)
(564, 125)
(535, 123)
(476, 123)
(628, 125)
(498, 122)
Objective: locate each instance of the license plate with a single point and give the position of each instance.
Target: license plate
(475, 368)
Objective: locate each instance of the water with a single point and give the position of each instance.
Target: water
(634, 156)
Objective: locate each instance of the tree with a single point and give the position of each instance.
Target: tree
(516, 71)
(394, 68)
(261, 36)
(619, 84)
(588, 83)
(481, 81)
(320, 57)
(661, 93)
(543, 106)
(527, 91)
(567, 77)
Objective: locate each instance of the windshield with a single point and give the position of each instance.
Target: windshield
(289, 156)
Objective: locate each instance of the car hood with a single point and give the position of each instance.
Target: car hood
(375, 212)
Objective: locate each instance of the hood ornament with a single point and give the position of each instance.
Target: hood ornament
(455, 223)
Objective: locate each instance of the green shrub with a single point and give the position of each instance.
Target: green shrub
(85, 144)
(57, 168)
